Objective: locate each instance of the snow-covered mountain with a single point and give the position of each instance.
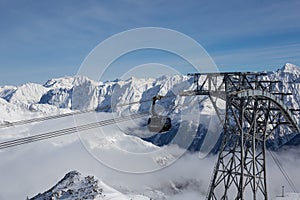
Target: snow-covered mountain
(65, 94)
(289, 74)
(76, 186)
(77, 93)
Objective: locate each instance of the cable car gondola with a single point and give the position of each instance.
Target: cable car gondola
(158, 123)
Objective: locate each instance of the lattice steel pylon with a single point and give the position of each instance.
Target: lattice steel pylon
(254, 109)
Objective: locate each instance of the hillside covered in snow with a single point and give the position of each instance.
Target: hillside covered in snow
(76, 186)
(63, 95)
(39, 165)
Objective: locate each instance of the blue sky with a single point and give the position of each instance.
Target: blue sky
(44, 39)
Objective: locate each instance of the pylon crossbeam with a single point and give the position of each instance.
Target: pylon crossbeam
(254, 110)
(248, 121)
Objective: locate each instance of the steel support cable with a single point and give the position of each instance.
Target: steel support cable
(67, 131)
(75, 129)
(40, 119)
(287, 114)
(284, 173)
(76, 112)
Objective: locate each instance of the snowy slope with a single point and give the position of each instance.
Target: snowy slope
(289, 74)
(76, 186)
(65, 94)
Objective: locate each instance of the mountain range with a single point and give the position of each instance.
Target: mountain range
(68, 94)
(63, 95)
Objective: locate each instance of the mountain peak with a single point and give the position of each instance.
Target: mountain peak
(76, 186)
(73, 185)
(290, 68)
(72, 175)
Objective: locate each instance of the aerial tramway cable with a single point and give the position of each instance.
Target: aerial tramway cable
(67, 131)
(40, 119)
(284, 173)
(71, 130)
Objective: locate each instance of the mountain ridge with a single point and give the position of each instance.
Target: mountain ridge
(76, 186)
(62, 95)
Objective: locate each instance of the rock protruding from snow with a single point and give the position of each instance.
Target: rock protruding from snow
(73, 186)
(58, 97)
(76, 186)
(6, 91)
(126, 96)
